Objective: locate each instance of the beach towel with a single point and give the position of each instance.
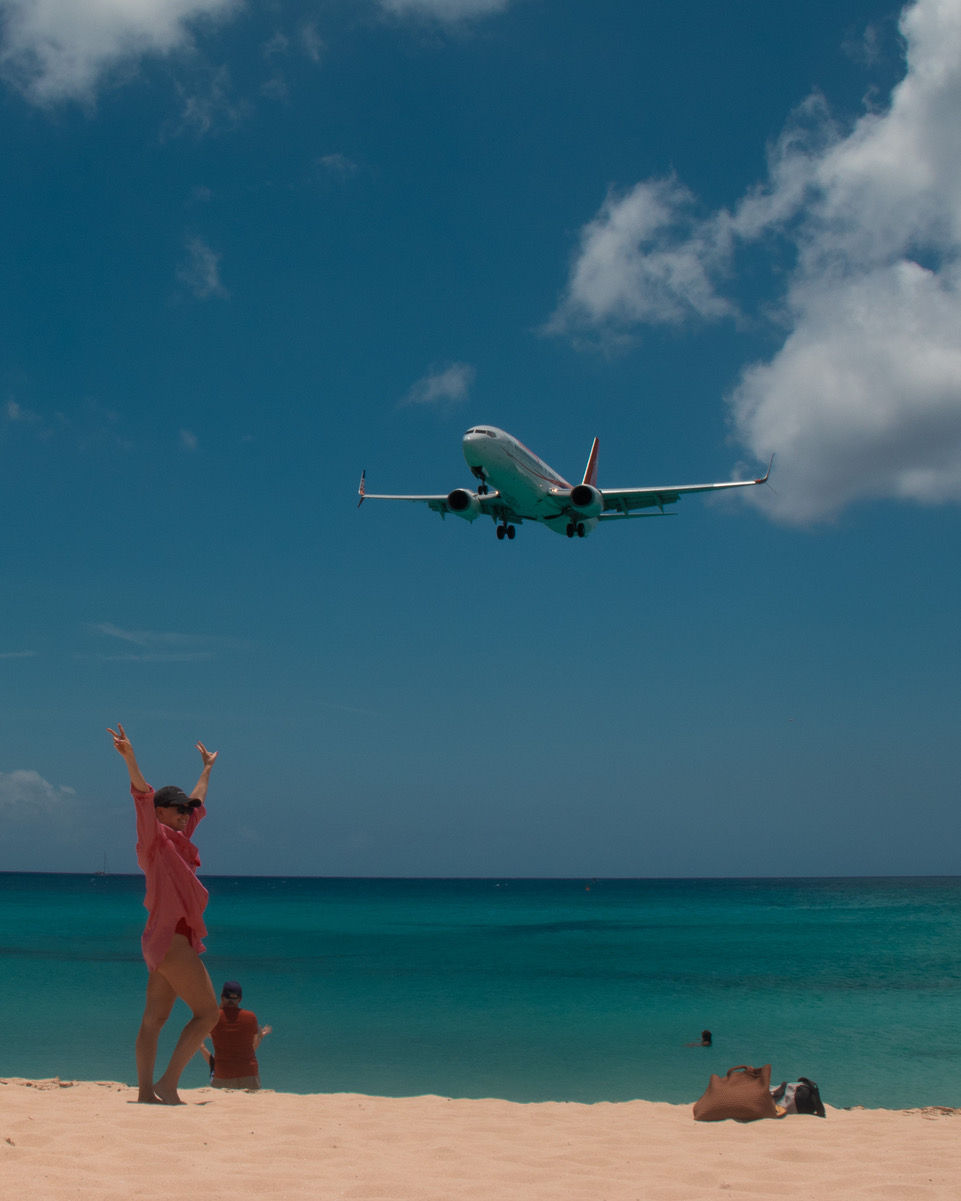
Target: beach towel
(744, 1094)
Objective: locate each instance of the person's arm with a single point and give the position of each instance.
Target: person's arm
(202, 1049)
(200, 788)
(262, 1032)
(123, 747)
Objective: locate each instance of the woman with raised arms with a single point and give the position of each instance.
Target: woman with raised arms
(175, 901)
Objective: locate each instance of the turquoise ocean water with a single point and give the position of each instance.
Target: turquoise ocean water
(580, 990)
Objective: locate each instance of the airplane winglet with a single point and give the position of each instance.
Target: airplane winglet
(764, 477)
(590, 471)
(362, 489)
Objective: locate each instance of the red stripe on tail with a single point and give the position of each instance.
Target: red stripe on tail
(590, 471)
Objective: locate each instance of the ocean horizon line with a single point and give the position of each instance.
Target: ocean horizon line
(546, 879)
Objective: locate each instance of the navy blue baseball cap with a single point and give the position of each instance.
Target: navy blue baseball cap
(170, 794)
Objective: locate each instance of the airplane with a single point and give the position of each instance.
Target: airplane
(526, 489)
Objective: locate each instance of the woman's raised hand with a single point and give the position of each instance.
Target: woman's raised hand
(207, 756)
(121, 743)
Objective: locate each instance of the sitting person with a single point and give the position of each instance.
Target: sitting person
(236, 1038)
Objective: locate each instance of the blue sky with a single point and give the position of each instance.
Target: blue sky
(248, 250)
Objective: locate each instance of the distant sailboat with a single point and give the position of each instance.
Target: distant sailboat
(103, 871)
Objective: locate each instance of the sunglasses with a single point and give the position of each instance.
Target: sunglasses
(182, 809)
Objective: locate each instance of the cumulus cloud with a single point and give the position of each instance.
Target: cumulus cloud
(863, 398)
(643, 259)
(200, 271)
(26, 793)
(16, 414)
(90, 425)
(448, 11)
(207, 105)
(337, 167)
(55, 50)
(442, 385)
(48, 827)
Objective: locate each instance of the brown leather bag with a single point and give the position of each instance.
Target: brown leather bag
(743, 1094)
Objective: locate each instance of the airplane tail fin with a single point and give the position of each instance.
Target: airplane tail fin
(590, 471)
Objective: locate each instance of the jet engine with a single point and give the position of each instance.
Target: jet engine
(586, 499)
(464, 504)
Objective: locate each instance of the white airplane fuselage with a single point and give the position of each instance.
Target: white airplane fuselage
(526, 483)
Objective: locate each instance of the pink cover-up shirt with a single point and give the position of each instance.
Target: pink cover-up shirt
(169, 860)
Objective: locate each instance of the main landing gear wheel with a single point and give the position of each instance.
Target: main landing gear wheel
(573, 529)
(503, 531)
(482, 490)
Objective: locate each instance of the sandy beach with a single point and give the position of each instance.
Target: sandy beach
(62, 1139)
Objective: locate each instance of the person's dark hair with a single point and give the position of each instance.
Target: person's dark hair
(706, 1037)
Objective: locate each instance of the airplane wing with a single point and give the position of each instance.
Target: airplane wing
(621, 502)
(437, 503)
(489, 504)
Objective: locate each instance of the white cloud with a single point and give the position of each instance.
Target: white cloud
(48, 827)
(159, 646)
(55, 50)
(311, 42)
(207, 105)
(442, 385)
(337, 166)
(201, 270)
(18, 654)
(863, 400)
(27, 792)
(88, 426)
(448, 11)
(643, 259)
(188, 440)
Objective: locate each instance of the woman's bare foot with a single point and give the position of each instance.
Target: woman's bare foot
(166, 1095)
(145, 1097)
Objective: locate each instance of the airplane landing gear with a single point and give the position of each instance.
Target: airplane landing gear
(505, 531)
(481, 489)
(578, 529)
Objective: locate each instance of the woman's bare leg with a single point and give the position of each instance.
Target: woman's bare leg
(160, 1001)
(186, 976)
